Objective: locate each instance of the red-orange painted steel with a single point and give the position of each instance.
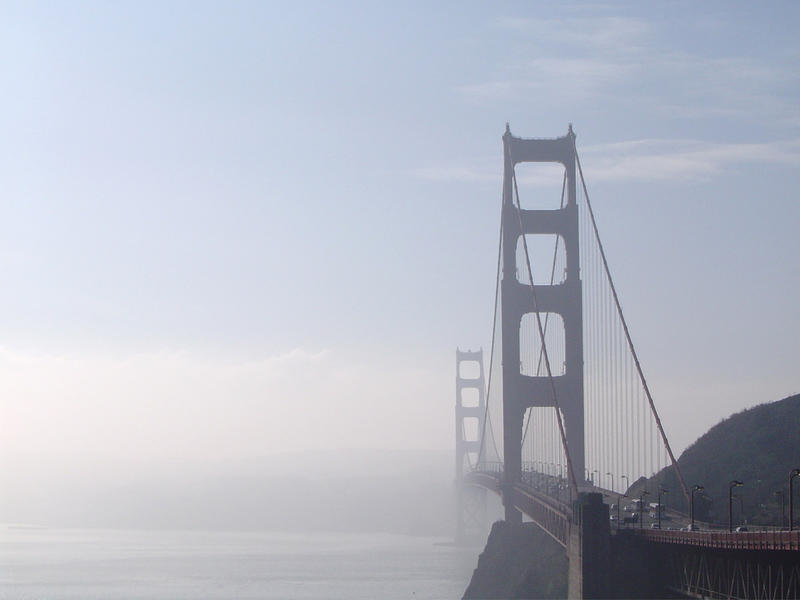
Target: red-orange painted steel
(750, 540)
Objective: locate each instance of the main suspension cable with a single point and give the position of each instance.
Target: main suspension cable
(491, 353)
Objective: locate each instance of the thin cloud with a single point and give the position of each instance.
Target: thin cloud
(640, 160)
(619, 60)
(653, 160)
(598, 32)
(572, 77)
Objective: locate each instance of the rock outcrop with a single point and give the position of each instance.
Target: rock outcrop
(519, 561)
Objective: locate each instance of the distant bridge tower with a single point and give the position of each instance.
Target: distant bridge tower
(522, 391)
(471, 520)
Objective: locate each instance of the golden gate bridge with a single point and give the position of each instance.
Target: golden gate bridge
(563, 423)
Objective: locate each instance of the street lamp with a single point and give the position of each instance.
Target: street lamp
(696, 488)
(641, 508)
(731, 485)
(612, 480)
(792, 475)
(783, 507)
(741, 507)
(624, 495)
(619, 502)
(660, 491)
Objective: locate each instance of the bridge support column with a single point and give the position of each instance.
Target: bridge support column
(471, 515)
(589, 549)
(512, 453)
(523, 391)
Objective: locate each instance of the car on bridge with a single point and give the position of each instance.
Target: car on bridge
(634, 518)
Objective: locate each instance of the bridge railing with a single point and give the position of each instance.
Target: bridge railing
(489, 466)
(549, 512)
(749, 540)
(552, 486)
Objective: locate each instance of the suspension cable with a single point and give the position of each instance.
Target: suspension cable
(491, 353)
(628, 335)
(570, 469)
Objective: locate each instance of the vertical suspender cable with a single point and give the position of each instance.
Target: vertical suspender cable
(628, 337)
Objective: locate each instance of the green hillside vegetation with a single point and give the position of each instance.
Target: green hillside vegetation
(758, 446)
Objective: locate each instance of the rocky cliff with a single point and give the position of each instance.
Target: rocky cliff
(519, 562)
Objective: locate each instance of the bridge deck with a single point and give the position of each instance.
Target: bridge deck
(549, 513)
(553, 516)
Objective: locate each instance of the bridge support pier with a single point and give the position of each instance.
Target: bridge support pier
(471, 515)
(589, 549)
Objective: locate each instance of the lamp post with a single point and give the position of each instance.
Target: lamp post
(624, 495)
(792, 475)
(783, 507)
(696, 488)
(731, 485)
(660, 491)
(641, 508)
(612, 480)
(741, 507)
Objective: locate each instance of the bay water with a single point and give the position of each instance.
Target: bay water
(174, 565)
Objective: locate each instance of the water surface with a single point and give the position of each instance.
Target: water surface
(116, 564)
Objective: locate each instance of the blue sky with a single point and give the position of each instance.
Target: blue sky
(259, 227)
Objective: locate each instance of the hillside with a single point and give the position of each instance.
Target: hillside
(758, 446)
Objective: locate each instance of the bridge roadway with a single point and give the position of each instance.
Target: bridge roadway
(549, 513)
(553, 515)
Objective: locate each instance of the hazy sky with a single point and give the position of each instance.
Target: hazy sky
(230, 230)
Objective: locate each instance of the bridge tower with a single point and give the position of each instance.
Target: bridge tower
(523, 391)
(471, 519)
